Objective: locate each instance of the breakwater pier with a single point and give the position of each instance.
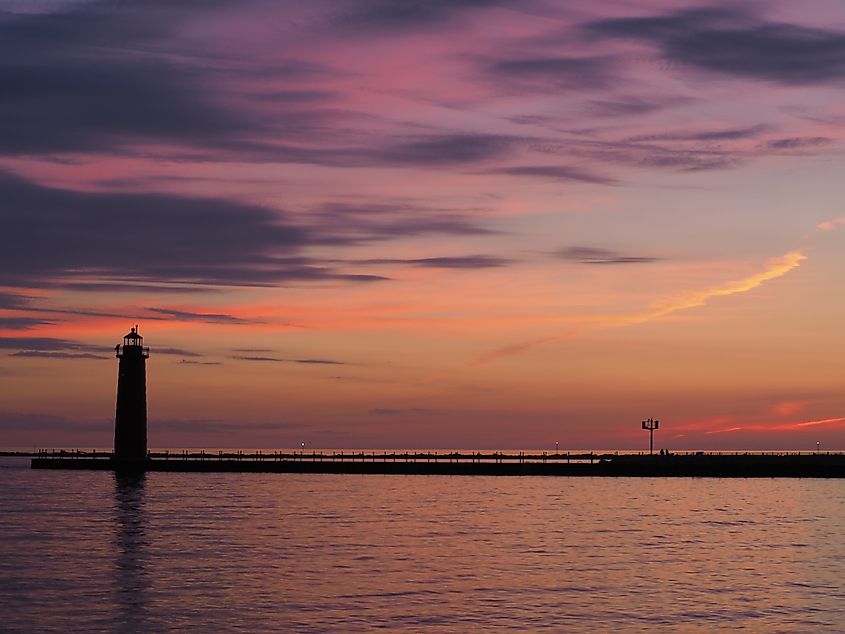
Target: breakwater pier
(693, 464)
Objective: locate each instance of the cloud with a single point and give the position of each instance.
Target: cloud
(595, 255)
(23, 323)
(630, 106)
(46, 344)
(387, 16)
(56, 355)
(103, 77)
(62, 348)
(556, 172)
(297, 96)
(786, 427)
(100, 77)
(775, 268)
(720, 134)
(106, 241)
(701, 153)
(735, 43)
(49, 347)
(513, 349)
(76, 79)
(435, 150)
(176, 352)
(192, 362)
(13, 301)
(830, 225)
(797, 143)
(820, 421)
(25, 304)
(553, 73)
(349, 224)
(430, 151)
(348, 148)
(454, 262)
(33, 308)
(265, 359)
(726, 430)
(210, 318)
(125, 287)
(97, 105)
(787, 408)
(51, 236)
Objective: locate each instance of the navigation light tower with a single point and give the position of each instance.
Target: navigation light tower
(651, 424)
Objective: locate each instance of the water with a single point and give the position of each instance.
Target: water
(324, 553)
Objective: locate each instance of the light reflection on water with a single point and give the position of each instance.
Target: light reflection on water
(258, 552)
(131, 574)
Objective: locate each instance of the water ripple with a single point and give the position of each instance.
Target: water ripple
(241, 552)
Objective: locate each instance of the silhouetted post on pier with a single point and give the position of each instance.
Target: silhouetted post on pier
(130, 423)
(651, 425)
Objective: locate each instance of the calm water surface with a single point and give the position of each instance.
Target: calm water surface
(86, 551)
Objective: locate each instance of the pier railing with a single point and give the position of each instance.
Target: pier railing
(495, 457)
(496, 463)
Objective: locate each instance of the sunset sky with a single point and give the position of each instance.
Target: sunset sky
(442, 223)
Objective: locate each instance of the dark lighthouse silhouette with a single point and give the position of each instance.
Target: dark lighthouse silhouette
(130, 421)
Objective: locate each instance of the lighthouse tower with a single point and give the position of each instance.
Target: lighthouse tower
(130, 423)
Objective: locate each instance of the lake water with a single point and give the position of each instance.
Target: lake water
(86, 551)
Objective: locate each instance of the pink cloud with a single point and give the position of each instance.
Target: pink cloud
(787, 408)
(830, 225)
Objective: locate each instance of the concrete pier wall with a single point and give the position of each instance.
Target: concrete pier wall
(706, 465)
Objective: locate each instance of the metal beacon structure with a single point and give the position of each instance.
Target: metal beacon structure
(130, 422)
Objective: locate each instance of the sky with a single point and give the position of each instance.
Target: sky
(401, 224)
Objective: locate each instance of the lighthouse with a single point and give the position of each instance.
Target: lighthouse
(130, 422)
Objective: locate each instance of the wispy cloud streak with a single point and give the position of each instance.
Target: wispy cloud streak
(776, 267)
(796, 426)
